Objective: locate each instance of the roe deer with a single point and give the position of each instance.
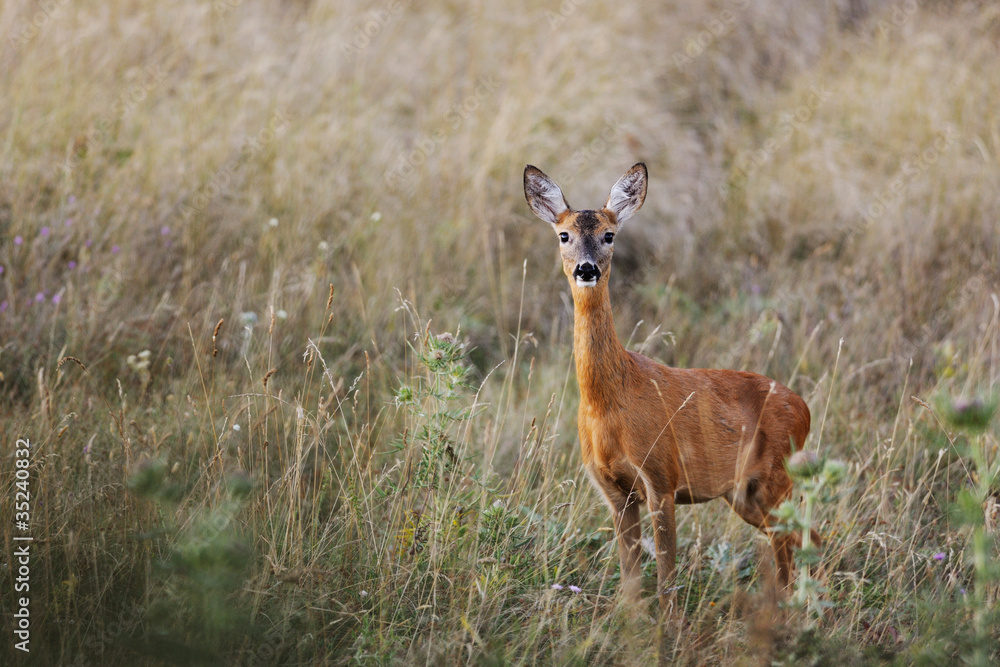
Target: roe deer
(661, 435)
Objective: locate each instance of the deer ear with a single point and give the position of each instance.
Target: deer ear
(543, 195)
(628, 193)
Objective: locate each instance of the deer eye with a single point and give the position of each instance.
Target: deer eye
(609, 237)
(564, 237)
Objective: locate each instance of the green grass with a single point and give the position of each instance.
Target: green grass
(395, 497)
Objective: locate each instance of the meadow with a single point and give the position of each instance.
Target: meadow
(295, 359)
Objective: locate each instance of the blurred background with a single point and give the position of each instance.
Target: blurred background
(194, 194)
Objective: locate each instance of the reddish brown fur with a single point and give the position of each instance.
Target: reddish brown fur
(659, 435)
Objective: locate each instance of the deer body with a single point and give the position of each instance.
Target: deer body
(655, 435)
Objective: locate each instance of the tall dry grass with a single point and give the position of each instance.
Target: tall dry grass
(822, 208)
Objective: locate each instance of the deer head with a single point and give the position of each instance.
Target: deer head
(586, 238)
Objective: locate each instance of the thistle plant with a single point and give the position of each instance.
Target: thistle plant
(817, 479)
(433, 401)
(439, 410)
(973, 417)
(198, 611)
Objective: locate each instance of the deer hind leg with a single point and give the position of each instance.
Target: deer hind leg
(753, 503)
(624, 504)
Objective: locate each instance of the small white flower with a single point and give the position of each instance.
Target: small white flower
(324, 246)
(376, 216)
(364, 594)
(281, 315)
(273, 222)
(236, 427)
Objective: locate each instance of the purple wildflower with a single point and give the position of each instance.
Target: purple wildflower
(89, 243)
(72, 264)
(557, 587)
(1, 269)
(56, 298)
(575, 589)
(940, 555)
(164, 230)
(44, 231)
(115, 249)
(39, 297)
(3, 306)
(69, 222)
(18, 240)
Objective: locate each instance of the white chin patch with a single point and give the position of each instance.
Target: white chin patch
(585, 283)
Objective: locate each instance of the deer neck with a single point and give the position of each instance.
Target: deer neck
(601, 361)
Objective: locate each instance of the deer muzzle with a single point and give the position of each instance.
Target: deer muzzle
(586, 274)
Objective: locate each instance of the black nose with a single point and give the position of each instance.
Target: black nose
(587, 272)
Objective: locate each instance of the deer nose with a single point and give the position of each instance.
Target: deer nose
(587, 272)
